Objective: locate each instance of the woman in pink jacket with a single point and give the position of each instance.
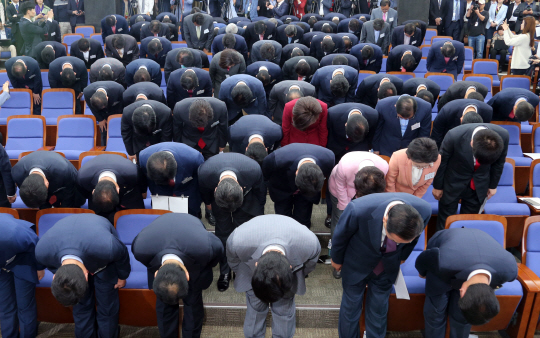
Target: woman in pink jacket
(412, 169)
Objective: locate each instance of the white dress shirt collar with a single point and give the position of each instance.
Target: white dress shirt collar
(275, 247)
(77, 258)
(305, 160)
(479, 271)
(109, 174)
(167, 257)
(228, 173)
(255, 136)
(388, 207)
(37, 170)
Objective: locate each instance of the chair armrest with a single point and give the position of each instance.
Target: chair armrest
(528, 278)
(47, 148)
(99, 148)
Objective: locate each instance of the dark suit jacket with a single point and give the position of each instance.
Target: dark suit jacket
(307, 16)
(387, 138)
(240, 46)
(284, 39)
(13, 16)
(289, 66)
(131, 50)
(257, 105)
(316, 48)
(215, 132)
(151, 66)
(398, 37)
(278, 96)
(436, 63)
(248, 125)
(32, 78)
(252, 37)
(115, 103)
(60, 173)
(121, 27)
(135, 143)
(171, 64)
(5, 173)
(59, 50)
(279, 168)
(160, 58)
(133, 19)
(366, 92)
(478, 250)
(457, 167)
(282, 10)
(145, 32)
(256, 52)
(420, 24)
(504, 101)
(118, 69)
(207, 33)
(54, 33)
(435, 11)
(248, 174)
(393, 63)
(136, 29)
(151, 90)
(182, 235)
(328, 59)
(317, 27)
(343, 27)
(32, 34)
(447, 13)
(358, 236)
(95, 52)
(457, 90)
(81, 74)
(288, 49)
(171, 16)
(337, 136)
(321, 81)
(175, 91)
(72, 6)
(374, 64)
(411, 85)
(90, 237)
(450, 117)
(273, 69)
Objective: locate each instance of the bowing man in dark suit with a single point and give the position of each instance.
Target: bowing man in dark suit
(233, 41)
(110, 183)
(324, 44)
(268, 73)
(156, 49)
(136, 29)
(376, 87)
(243, 93)
(339, 59)
(254, 136)
(179, 57)
(401, 120)
(54, 33)
(24, 72)
(76, 13)
(143, 70)
(45, 52)
(472, 162)
(259, 30)
(188, 82)
(108, 69)
(325, 26)
(154, 29)
(122, 47)
(459, 112)
(171, 170)
(393, 221)
(513, 104)
(113, 24)
(178, 251)
(335, 84)
(300, 68)
(295, 175)
(138, 18)
(19, 274)
(47, 179)
(290, 33)
(88, 260)
(144, 123)
(293, 49)
(464, 284)
(415, 85)
(104, 98)
(407, 34)
(351, 127)
(462, 90)
(233, 184)
(69, 72)
(266, 50)
(88, 50)
(446, 57)
(201, 123)
(403, 58)
(286, 91)
(369, 56)
(143, 91)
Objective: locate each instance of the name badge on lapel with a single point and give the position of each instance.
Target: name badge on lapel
(200, 92)
(31, 76)
(415, 126)
(372, 61)
(413, 42)
(429, 176)
(391, 20)
(187, 179)
(120, 29)
(129, 52)
(295, 41)
(269, 36)
(53, 33)
(214, 124)
(382, 35)
(455, 58)
(205, 31)
(92, 56)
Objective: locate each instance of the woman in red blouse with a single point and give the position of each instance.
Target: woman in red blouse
(304, 121)
(299, 8)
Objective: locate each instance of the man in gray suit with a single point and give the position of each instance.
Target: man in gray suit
(389, 15)
(271, 255)
(199, 31)
(108, 69)
(376, 32)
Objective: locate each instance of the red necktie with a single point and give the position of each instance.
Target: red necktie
(114, 29)
(476, 166)
(300, 78)
(261, 36)
(511, 115)
(190, 92)
(52, 199)
(171, 183)
(156, 56)
(388, 247)
(201, 142)
(365, 62)
(403, 70)
(155, 34)
(446, 60)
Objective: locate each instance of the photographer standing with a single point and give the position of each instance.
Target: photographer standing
(524, 10)
(477, 19)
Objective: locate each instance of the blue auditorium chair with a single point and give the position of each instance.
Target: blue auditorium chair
(114, 135)
(516, 81)
(88, 155)
(358, 16)
(485, 79)
(4, 78)
(76, 134)
(440, 38)
(488, 67)
(68, 39)
(469, 57)
(98, 37)
(24, 133)
(425, 50)
(363, 74)
(530, 257)
(421, 69)
(403, 75)
(177, 44)
(19, 103)
(57, 102)
(444, 80)
(238, 19)
(87, 31)
(515, 151)
(430, 33)
(10, 211)
(45, 79)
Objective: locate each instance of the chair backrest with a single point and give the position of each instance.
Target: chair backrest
(383, 65)
(19, 103)
(177, 44)
(535, 139)
(469, 53)
(97, 37)
(46, 218)
(45, 79)
(88, 155)
(114, 134)
(430, 33)
(492, 224)
(404, 76)
(514, 143)
(10, 211)
(25, 132)
(363, 74)
(85, 30)
(485, 79)
(408, 268)
(515, 81)
(129, 223)
(442, 79)
(69, 38)
(506, 192)
(4, 77)
(57, 102)
(440, 38)
(485, 66)
(530, 248)
(422, 66)
(425, 50)
(534, 178)
(76, 132)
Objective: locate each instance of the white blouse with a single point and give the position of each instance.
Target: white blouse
(522, 50)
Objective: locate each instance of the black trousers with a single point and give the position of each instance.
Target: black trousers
(438, 308)
(296, 206)
(519, 71)
(470, 204)
(4, 203)
(454, 30)
(168, 321)
(502, 53)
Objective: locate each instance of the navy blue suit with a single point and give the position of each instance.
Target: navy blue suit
(446, 272)
(273, 69)
(453, 28)
(136, 29)
(95, 52)
(32, 78)
(121, 27)
(504, 101)
(79, 67)
(321, 80)
(186, 183)
(282, 38)
(374, 63)
(411, 85)
(171, 16)
(257, 106)
(393, 63)
(367, 90)
(115, 103)
(279, 11)
(163, 32)
(457, 90)
(74, 5)
(59, 50)
(337, 136)
(175, 91)
(200, 250)
(437, 64)
(18, 277)
(133, 19)
(450, 116)
(288, 49)
(151, 66)
(388, 138)
(317, 27)
(328, 59)
(240, 45)
(95, 241)
(160, 58)
(171, 63)
(398, 37)
(151, 90)
(343, 26)
(316, 48)
(248, 125)
(356, 244)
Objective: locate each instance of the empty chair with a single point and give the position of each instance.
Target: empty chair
(176, 44)
(57, 102)
(76, 134)
(469, 56)
(425, 50)
(514, 144)
(114, 134)
(505, 202)
(87, 31)
(24, 133)
(516, 81)
(488, 67)
(430, 33)
(97, 37)
(19, 103)
(69, 38)
(442, 79)
(403, 76)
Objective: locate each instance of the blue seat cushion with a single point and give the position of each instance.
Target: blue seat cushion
(513, 288)
(525, 128)
(138, 278)
(46, 281)
(71, 154)
(507, 209)
(522, 161)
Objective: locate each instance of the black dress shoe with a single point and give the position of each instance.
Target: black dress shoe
(209, 215)
(328, 222)
(223, 282)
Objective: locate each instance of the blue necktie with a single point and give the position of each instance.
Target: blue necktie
(17, 7)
